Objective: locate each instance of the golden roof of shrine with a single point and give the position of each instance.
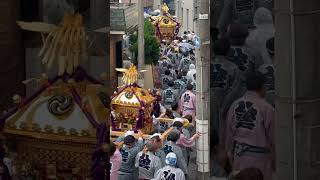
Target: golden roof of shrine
(133, 96)
(55, 113)
(165, 20)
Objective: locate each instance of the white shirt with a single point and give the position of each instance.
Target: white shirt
(169, 172)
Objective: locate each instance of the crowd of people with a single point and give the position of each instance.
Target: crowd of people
(165, 155)
(177, 75)
(159, 156)
(242, 116)
(242, 94)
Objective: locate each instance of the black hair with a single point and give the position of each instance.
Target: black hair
(170, 84)
(189, 118)
(185, 53)
(189, 87)
(177, 124)
(221, 46)
(255, 81)
(169, 114)
(128, 140)
(175, 106)
(167, 72)
(151, 146)
(113, 148)
(238, 34)
(185, 32)
(184, 72)
(179, 76)
(173, 136)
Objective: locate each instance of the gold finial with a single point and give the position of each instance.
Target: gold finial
(130, 75)
(165, 8)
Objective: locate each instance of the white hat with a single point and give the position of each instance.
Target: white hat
(171, 159)
(154, 135)
(129, 133)
(178, 119)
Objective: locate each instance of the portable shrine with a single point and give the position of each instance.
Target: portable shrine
(132, 105)
(167, 27)
(55, 128)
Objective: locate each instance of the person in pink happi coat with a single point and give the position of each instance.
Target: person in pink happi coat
(250, 130)
(187, 103)
(115, 161)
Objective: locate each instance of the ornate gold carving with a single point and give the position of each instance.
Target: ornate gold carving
(61, 131)
(52, 137)
(48, 129)
(60, 155)
(85, 133)
(73, 132)
(36, 127)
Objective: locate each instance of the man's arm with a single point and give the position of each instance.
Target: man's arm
(140, 144)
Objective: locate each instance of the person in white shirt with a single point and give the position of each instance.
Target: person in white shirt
(170, 172)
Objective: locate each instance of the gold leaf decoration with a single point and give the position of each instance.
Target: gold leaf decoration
(131, 75)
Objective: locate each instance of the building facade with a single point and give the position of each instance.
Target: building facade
(123, 20)
(147, 3)
(186, 12)
(156, 4)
